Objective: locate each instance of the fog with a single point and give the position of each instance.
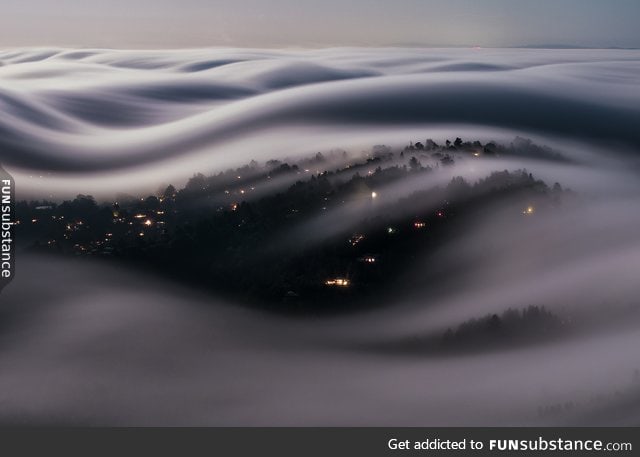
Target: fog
(119, 346)
(92, 119)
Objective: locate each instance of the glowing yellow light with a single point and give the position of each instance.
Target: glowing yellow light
(529, 210)
(148, 222)
(374, 194)
(340, 282)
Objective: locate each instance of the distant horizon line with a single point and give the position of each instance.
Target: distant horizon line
(318, 47)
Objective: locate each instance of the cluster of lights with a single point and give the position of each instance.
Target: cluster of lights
(529, 210)
(340, 282)
(419, 224)
(355, 239)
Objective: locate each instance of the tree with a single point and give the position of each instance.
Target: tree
(431, 145)
(152, 202)
(458, 187)
(197, 182)
(169, 192)
(84, 204)
(489, 149)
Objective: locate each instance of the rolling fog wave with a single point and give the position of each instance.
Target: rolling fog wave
(116, 346)
(110, 112)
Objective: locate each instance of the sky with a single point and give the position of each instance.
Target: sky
(314, 23)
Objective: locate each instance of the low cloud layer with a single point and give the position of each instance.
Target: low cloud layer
(160, 114)
(115, 346)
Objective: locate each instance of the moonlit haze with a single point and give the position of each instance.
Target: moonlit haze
(311, 23)
(500, 138)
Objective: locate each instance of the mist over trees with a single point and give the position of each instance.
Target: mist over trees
(225, 231)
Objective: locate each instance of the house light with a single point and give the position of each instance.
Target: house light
(339, 282)
(355, 239)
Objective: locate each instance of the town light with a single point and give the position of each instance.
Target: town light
(340, 282)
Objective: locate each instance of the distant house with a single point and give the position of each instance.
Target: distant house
(337, 282)
(368, 258)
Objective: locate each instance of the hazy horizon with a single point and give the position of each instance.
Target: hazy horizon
(286, 23)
